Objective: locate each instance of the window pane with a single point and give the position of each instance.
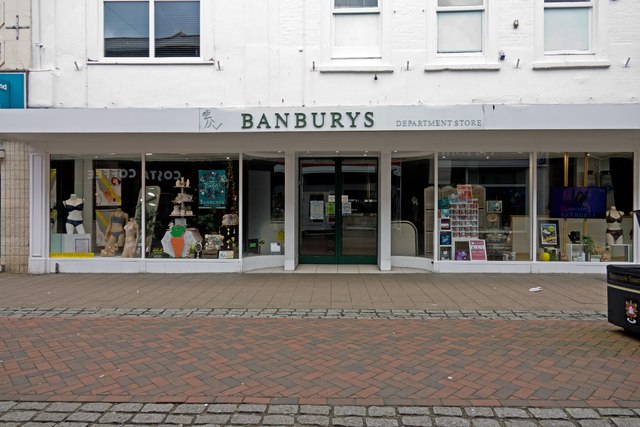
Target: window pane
(566, 29)
(356, 30)
(356, 3)
(460, 2)
(126, 29)
(177, 28)
(459, 32)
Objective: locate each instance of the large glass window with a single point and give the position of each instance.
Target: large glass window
(483, 207)
(175, 31)
(567, 25)
(197, 206)
(263, 206)
(460, 26)
(356, 29)
(93, 206)
(412, 207)
(584, 207)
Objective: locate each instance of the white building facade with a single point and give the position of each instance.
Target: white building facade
(448, 135)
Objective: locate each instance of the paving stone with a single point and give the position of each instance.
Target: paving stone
(556, 423)
(30, 406)
(345, 411)
(95, 407)
(157, 407)
(511, 413)
(225, 408)
(582, 413)
(5, 406)
(594, 423)
(18, 416)
(179, 419)
(452, 422)
(50, 416)
(478, 412)
(315, 409)
(244, 419)
(484, 422)
(314, 420)
(190, 409)
(417, 421)
(381, 422)
(127, 407)
(449, 411)
(148, 418)
(414, 410)
(72, 424)
(280, 420)
(114, 417)
(616, 412)
(382, 411)
(251, 408)
(626, 422)
(63, 407)
(35, 424)
(283, 409)
(213, 419)
(348, 421)
(549, 413)
(519, 423)
(84, 416)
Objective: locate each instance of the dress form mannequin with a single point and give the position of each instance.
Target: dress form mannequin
(131, 233)
(74, 206)
(614, 230)
(115, 232)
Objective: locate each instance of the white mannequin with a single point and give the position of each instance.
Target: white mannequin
(74, 206)
(132, 233)
(614, 229)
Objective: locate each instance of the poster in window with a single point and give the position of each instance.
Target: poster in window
(108, 187)
(212, 188)
(549, 233)
(478, 250)
(316, 210)
(465, 192)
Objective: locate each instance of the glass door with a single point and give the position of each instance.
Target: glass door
(339, 211)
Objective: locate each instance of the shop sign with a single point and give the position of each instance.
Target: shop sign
(342, 119)
(12, 90)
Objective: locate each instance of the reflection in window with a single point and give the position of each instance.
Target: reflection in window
(126, 29)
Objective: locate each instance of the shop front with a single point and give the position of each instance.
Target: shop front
(456, 189)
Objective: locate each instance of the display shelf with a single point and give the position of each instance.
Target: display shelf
(182, 203)
(464, 219)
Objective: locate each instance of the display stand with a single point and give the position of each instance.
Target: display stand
(182, 204)
(464, 219)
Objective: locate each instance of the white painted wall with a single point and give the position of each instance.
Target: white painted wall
(261, 53)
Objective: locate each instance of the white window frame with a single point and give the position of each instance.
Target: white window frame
(374, 52)
(95, 51)
(487, 59)
(582, 4)
(595, 57)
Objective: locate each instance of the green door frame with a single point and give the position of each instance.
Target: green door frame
(338, 258)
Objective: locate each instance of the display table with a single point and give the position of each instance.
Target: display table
(623, 294)
(191, 237)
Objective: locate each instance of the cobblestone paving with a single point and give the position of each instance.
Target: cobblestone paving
(135, 414)
(307, 313)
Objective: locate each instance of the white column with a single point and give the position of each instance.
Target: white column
(14, 213)
(384, 207)
(290, 211)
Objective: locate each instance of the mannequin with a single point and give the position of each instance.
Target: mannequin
(614, 230)
(74, 206)
(131, 233)
(114, 233)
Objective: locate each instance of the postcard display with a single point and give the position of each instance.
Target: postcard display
(458, 223)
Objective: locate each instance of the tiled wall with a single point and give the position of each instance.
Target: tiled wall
(14, 217)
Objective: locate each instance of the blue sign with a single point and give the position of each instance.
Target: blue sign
(12, 90)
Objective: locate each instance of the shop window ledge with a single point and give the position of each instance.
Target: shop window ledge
(463, 67)
(354, 68)
(569, 65)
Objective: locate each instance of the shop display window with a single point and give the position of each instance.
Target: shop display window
(196, 212)
(263, 206)
(412, 206)
(483, 207)
(584, 207)
(93, 206)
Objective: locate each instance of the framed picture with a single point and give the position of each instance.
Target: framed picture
(548, 232)
(445, 238)
(445, 254)
(494, 206)
(461, 250)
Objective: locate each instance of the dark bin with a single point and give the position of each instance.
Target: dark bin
(623, 295)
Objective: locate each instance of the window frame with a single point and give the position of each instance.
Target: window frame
(151, 58)
(356, 52)
(590, 5)
(455, 9)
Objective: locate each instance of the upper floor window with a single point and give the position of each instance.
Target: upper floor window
(154, 28)
(356, 29)
(460, 26)
(567, 26)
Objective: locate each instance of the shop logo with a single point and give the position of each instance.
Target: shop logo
(631, 310)
(209, 122)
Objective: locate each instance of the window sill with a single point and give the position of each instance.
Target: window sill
(463, 67)
(150, 61)
(568, 65)
(354, 68)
